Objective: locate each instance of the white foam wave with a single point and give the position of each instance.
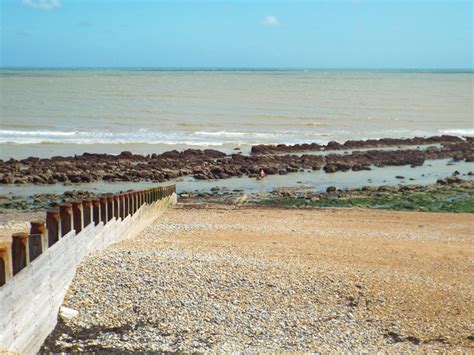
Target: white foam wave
(459, 132)
(144, 136)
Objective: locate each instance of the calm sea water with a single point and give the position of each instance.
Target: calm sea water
(52, 112)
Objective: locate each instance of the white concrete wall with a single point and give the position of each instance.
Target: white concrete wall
(29, 303)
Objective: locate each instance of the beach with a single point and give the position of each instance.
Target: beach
(226, 278)
(236, 177)
(358, 238)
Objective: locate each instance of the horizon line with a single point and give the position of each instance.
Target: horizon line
(231, 68)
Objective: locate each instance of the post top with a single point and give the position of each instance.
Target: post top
(20, 235)
(4, 247)
(37, 223)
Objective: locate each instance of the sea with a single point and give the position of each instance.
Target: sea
(50, 112)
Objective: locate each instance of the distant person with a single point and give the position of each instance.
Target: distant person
(261, 175)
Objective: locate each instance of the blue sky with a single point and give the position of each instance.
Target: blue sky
(240, 33)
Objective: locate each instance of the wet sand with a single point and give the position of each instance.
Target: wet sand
(226, 278)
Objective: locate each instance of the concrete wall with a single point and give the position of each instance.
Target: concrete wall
(30, 300)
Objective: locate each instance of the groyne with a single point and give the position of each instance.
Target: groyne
(37, 267)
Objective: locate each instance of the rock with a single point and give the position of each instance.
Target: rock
(125, 154)
(399, 177)
(331, 189)
(333, 145)
(450, 180)
(67, 313)
(200, 177)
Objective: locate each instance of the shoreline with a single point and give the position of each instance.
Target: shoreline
(212, 164)
(451, 194)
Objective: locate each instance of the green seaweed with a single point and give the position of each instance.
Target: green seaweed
(433, 199)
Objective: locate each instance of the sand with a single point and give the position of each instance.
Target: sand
(220, 278)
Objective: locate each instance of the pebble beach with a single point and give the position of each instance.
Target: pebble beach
(220, 278)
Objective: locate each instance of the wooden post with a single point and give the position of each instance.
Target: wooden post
(126, 196)
(87, 210)
(38, 227)
(77, 216)
(110, 207)
(103, 209)
(137, 194)
(19, 251)
(96, 210)
(6, 271)
(53, 226)
(65, 212)
(135, 201)
(116, 206)
(142, 198)
(35, 246)
(122, 206)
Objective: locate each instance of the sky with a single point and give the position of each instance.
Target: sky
(237, 33)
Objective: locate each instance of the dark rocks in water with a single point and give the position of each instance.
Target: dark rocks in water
(387, 188)
(330, 168)
(399, 177)
(283, 148)
(331, 189)
(450, 180)
(126, 154)
(360, 144)
(172, 154)
(456, 173)
(213, 164)
(333, 145)
(200, 177)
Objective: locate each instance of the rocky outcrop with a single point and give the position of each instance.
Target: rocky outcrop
(357, 144)
(212, 164)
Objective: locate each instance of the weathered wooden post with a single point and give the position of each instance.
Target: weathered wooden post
(127, 204)
(77, 215)
(122, 206)
(6, 271)
(20, 253)
(135, 201)
(110, 207)
(96, 211)
(53, 226)
(65, 212)
(35, 246)
(142, 197)
(37, 230)
(116, 206)
(87, 210)
(103, 209)
(137, 194)
(38, 227)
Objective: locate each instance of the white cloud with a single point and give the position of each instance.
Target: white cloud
(42, 4)
(270, 21)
